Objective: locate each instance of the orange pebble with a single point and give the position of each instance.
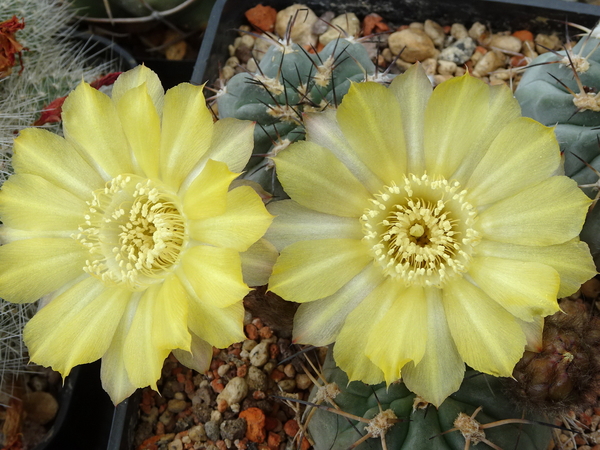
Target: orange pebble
(217, 385)
(447, 29)
(222, 405)
(524, 35)
(255, 421)
(265, 332)
(277, 375)
(180, 378)
(518, 61)
(291, 427)
(273, 441)
(273, 351)
(251, 331)
(480, 49)
(262, 18)
(372, 22)
(271, 423)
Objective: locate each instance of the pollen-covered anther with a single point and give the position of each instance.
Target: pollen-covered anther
(421, 232)
(135, 230)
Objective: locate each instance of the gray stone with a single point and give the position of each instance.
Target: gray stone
(256, 379)
(459, 52)
(260, 354)
(212, 430)
(233, 429)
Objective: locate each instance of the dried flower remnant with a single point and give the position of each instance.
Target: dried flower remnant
(426, 229)
(9, 46)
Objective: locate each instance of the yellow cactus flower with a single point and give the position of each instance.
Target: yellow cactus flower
(128, 229)
(426, 229)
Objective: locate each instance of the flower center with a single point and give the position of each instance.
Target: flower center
(134, 231)
(422, 231)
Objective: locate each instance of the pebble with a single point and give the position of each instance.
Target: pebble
(446, 67)
(248, 345)
(418, 45)
(303, 381)
(212, 430)
(287, 385)
(459, 31)
(255, 420)
(40, 406)
(477, 32)
(301, 32)
(256, 379)
(508, 43)
(459, 52)
(545, 43)
(197, 433)
(262, 17)
(222, 370)
(233, 429)
(259, 354)
(175, 444)
(234, 391)
(488, 63)
(347, 22)
(176, 406)
(321, 25)
(289, 371)
(435, 31)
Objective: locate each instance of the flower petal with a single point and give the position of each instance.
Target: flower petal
(323, 129)
(319, 322)
(364, 116)
(32, 268)
(401, 334)
(258, 262)
(412, 90)
(143, 358)
(232, 142)
(241, 225)
(187, 130)
(524, 153)
(92, 126)
(441, 370)
(551, 212)
(450, 134)
(141, 124)
(215, 274)
(77, 326)
(294, 222)
(316, 179)
(136, 77)
(29, 202)
(525, 289)
(40, 152)
(207, 194)
(533, 333)
(572, 260)
(310, 270)
(488, 337)
(171, 310)
(199, 356)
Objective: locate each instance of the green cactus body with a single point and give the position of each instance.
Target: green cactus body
(546, 100)
(291, 81)
(420, 429)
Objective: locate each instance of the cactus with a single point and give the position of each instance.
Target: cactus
(562, 89)
(52, 65)
(478, 412)
(290, 81)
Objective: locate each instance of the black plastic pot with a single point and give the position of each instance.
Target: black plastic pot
(227, 15)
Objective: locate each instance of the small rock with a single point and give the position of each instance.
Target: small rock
(509, 43)
(234, 391)
(255, 420)
(222, 370)
(175, 444)
(176, 406)
(435, 31)
(41, 407)
(523, 35)
(227, 72)
(258, 50)
(249, 344)
(304, 19)
(289, 371)
(446, 67)
(233, 429)
(430, 66)
(459, 52)
(262, 18)
(256, 379)
(545, 43)
(291, 427)
(478, 31)
(488, 63)
(259, 354)
(247, 41)
(416, 44)
(197, 433)
(303, 381)
(287, 385)
(347, 22)
(321, 25)
(373, 23)
(212, 430)
(458, 31)
(417, 26)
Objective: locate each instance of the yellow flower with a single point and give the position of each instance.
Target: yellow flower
(128, 228)
(427, 229)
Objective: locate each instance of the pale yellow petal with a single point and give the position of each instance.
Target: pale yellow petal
(323, 129)
(242, 224)
(572, 260)
(91, 124)
(412, 90)
(524, 153)
(143, 358)
(310, 270)
(199, 356)
(215, 274)
(136, 77)
(141, 124)
(293, 222)
(441, 370)
(525, 289)
(171, 309)
(220, 327)
(187, 129)
(40, 152)
(77, 326)
(258, 262)
(370, 118)
(551, 212)
(488, 337)
(32, 268)
(113, 373)
(207, 194)
(312, 176)
(455, 116)
(533, 333)
(232, 142)
(401, 334)
(319, 322)
(30, 202)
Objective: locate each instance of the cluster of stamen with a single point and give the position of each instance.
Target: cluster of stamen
(134, 232)
(421, 232)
